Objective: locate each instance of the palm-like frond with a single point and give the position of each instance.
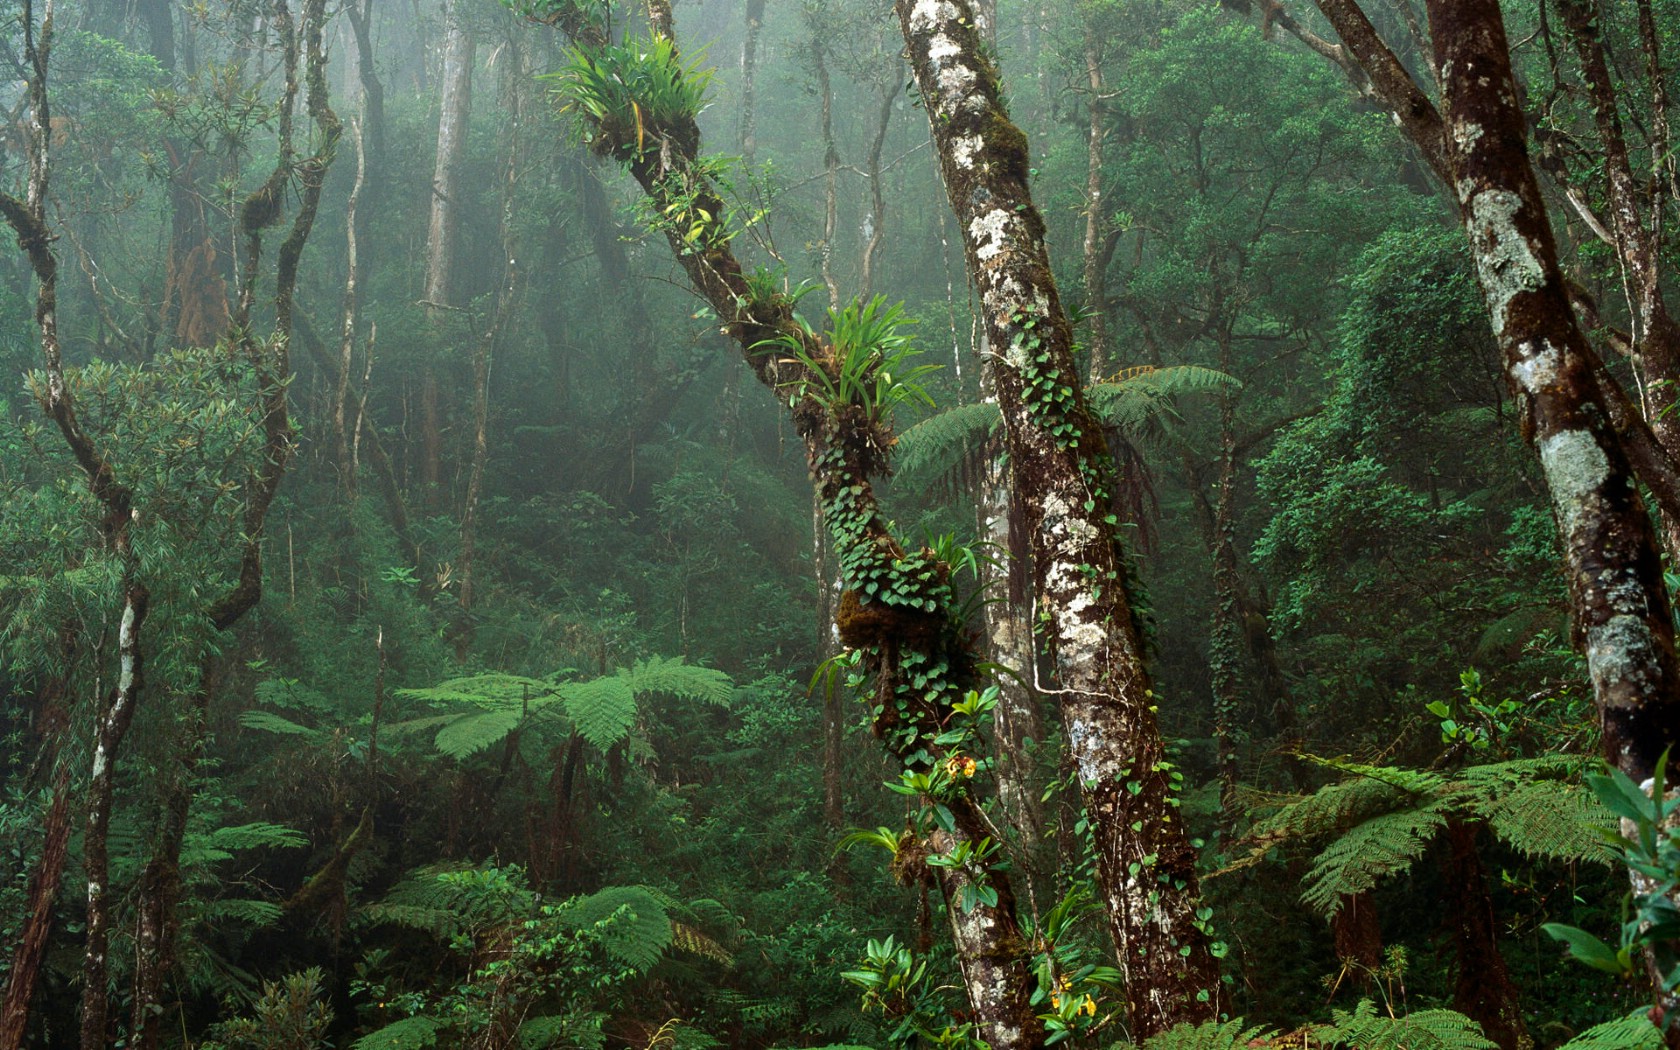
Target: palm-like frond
(1371, 851)
(1141, 402)
(634, 925)
(1633, 1032)
(954, 442)
(1209, 1035)
(1365, 1029)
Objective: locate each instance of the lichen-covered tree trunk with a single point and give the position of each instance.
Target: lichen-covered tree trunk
(38, 922)
(1610, 553)
(914, 645)
(1063, 481)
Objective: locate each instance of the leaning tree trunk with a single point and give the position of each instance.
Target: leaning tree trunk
(1610, 553)
(909, 635)
(454, 111)
(1146, 868)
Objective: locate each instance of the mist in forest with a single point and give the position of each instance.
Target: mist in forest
(549, 524)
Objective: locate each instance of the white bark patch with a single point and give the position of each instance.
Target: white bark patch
(1467, 135)
(1619, 649)
(1504, 258)
(965, 148)
(989, 233)
(1538, 370)
(942, 47)
(1576, 469)
(929, 13)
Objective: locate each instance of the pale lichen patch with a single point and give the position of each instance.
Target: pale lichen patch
(1505, 260)
(1536, 371)
(989, 233)
(964, 148)
(1619, 652)
(1576, 469)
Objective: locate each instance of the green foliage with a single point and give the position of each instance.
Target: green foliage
(1361, 1029)
(867, 364)
(602, 710)
(636, 929)
(1381, 820)
(287, 1016)
(1634, 1032)
(898, 986)
(633, 94)
(410, 1033)
(1651, 927)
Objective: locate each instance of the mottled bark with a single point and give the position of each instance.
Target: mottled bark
(831, 169)
(1146, 869)
(1225, 636)
(846, 446)
(1620, 604)
(877, 196)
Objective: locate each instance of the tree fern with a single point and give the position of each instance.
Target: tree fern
(602, 710)
(1209, 1035)
(472, 733)
(410, 1033)
(1139, 402)
(1633, 1032)
(200, 848)
(1365, 1029)
(1372, 850)
(672, 676)
(484, 690)
(269, 722)
(945, 444)
(634, 925)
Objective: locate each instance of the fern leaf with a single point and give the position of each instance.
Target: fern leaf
(485, 690)
(258, 915)
(1633, 1032)
(472, 733)
(1337, 806)
(410, 1033)
(637, 935)
(673, 677)
(201, 848)
(1365, 1029)
(602, 710)
(1376, 848)
(686, 938)
(269, 722)
(1553, 820)
(439, 922)
(1139, 402)
(1210, 1035)
(939, 445)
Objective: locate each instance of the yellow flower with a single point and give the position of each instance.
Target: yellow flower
(1089, 1006)
(958, 765)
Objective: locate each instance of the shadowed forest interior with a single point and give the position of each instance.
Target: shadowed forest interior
(681, 524)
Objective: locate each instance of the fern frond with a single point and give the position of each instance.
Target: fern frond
(1553, 820)
(269, 722)
(473, 733)
(673, 677)
(1334, 807)
(602, 710)
(410, 1033)
(636, 936)
(257, 915)
(1209, 1035)
(940, 445)
(1633, 1032)
(1365, 1029)
(485, 690)
(1139, 402)
(1376, 848)
(439, 922)
(688, 939)
(201, 848)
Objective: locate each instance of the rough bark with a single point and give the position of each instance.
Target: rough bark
(877, 196)
(1620, 604)
(1484, 991)
(1145, 866)
(43, 891)
(1096, 217)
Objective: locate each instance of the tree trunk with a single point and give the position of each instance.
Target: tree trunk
(454, 112)
(1096, 216)
(1484, 991)
(1620, 604)
(749, 71)
(1146, 869)
(32, 944)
